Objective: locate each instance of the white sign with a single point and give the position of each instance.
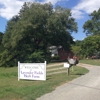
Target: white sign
(32, 71)
(66, 65)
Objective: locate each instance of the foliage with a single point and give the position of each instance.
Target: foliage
(92, 26)
(36, 57)
(78, 43)
(1, 36)
(91, 45)
(55, 57)
(33, 30)
(76, 48)
(1, 45)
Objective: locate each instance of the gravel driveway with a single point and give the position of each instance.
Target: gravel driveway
(86, 87)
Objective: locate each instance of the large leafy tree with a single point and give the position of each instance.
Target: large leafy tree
(92, 26)
(91, 45)
(61, 25)
(37, 26)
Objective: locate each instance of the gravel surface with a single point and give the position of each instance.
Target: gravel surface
(86, 87)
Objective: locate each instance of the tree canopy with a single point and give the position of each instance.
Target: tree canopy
(91, 45)
(1, 46)
(92, 26)
(1, 36)
(76, 48)
(37, 26)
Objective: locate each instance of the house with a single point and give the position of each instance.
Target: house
(63, 54)
(53, 50)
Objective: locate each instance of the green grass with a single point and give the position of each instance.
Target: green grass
(12, 89)
(91, 61)
(59, 66)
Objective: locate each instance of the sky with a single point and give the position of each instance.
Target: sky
(80, 10)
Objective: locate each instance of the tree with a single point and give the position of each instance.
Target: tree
(76, 48)
(1, 36)
(91, 45)
(1, 46)
(92, 26)
(61, 25)
(33, 30)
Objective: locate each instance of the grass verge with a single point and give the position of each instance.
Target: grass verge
(91, 61)
(12, 89)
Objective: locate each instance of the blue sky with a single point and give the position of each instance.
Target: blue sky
(80, 10)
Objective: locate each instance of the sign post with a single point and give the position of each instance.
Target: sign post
(69, 65)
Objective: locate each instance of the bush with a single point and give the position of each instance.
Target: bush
(55, 58)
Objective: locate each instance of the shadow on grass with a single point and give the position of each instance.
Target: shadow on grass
(77, 74)
(80, 74)
(48, 77)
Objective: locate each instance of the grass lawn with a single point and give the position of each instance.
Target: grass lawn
(12, 89)
(91, 61)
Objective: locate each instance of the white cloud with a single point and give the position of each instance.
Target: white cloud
(53, 1)
(85, 6)
(12, 7)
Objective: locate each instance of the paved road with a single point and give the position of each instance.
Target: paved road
(86, 87)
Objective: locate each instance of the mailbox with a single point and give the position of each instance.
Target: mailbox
(71, 61)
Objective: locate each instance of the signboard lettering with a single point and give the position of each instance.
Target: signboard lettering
(32, 71)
